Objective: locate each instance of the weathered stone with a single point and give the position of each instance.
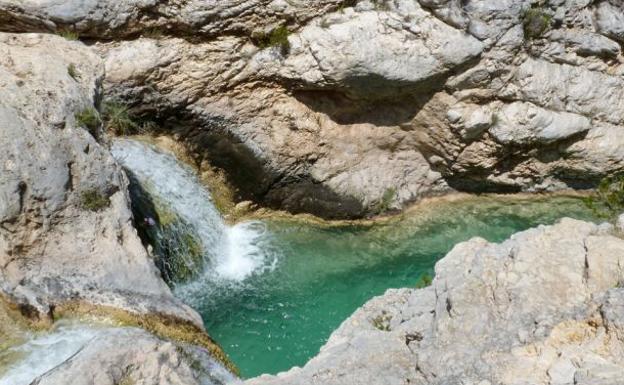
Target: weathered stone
(132, 356)
(55, 245)
(524, 123)
(116, 19)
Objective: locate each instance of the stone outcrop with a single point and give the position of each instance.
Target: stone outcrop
(387, 102)
(122, 19)
(369, 104)
(341, 109)
(544, 307)
(56, 245)
(67, 239)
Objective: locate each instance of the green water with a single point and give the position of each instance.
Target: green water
(280, 318)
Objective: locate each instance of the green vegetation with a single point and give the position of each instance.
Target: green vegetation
(93, 200)
(608, 199)
(424, 281)
(153, 33)
(90, 119)
(117, 119)
(71, 70)
(278, 37)
(386, 200)
(382, 321)
(535, 22)
(381, 5)
(68, 34)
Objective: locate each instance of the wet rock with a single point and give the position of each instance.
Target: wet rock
(132, 356)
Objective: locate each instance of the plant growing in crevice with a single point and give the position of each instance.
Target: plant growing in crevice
(93, 200)
(383, 205)
(71, 71)
(89, 118)
(608, 199)
(117, 118)
(424, 281)
(535, 22)
(382, 321)
(153, 33)
(278, 37)
(68, 34)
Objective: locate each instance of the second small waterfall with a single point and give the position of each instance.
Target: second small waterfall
(187, 228)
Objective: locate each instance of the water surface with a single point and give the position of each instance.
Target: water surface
(272, 291)
(280, 318)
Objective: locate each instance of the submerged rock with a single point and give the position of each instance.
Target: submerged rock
(543, 307)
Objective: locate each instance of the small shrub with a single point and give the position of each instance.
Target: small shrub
(68, 34)
(93, 200)
(90, 119)
(608, 199)
(276, 38)
(382, 321)
(380, 5)
(424, 281)
(117, 119)
(153, 33)
(535, 22)
(386, 200)
(71, 70)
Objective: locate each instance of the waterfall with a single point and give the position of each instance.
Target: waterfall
(188, 221)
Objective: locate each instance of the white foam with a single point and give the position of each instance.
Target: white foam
(231, 252)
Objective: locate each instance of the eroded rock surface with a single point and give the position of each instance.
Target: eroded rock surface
(132, 356)
(544, 307)
(367, 105)
(66, 230)
(120, 19)
(385, 102)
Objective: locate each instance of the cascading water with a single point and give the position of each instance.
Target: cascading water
(44, 352)
(186, 209)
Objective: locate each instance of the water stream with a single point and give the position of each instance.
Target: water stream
(272, 291)
(41, 352)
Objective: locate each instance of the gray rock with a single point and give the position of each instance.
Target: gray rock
(54, 247)
(524, 123)
(371, 54)
(132, 356)
(117, 19)
(610, 19)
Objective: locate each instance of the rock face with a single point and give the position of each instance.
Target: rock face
(119, 19)
(66, 230)
(367, 105)
(66, 234)
(544, 307)
(385, 102)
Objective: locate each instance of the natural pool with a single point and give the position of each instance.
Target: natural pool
(272, 291)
